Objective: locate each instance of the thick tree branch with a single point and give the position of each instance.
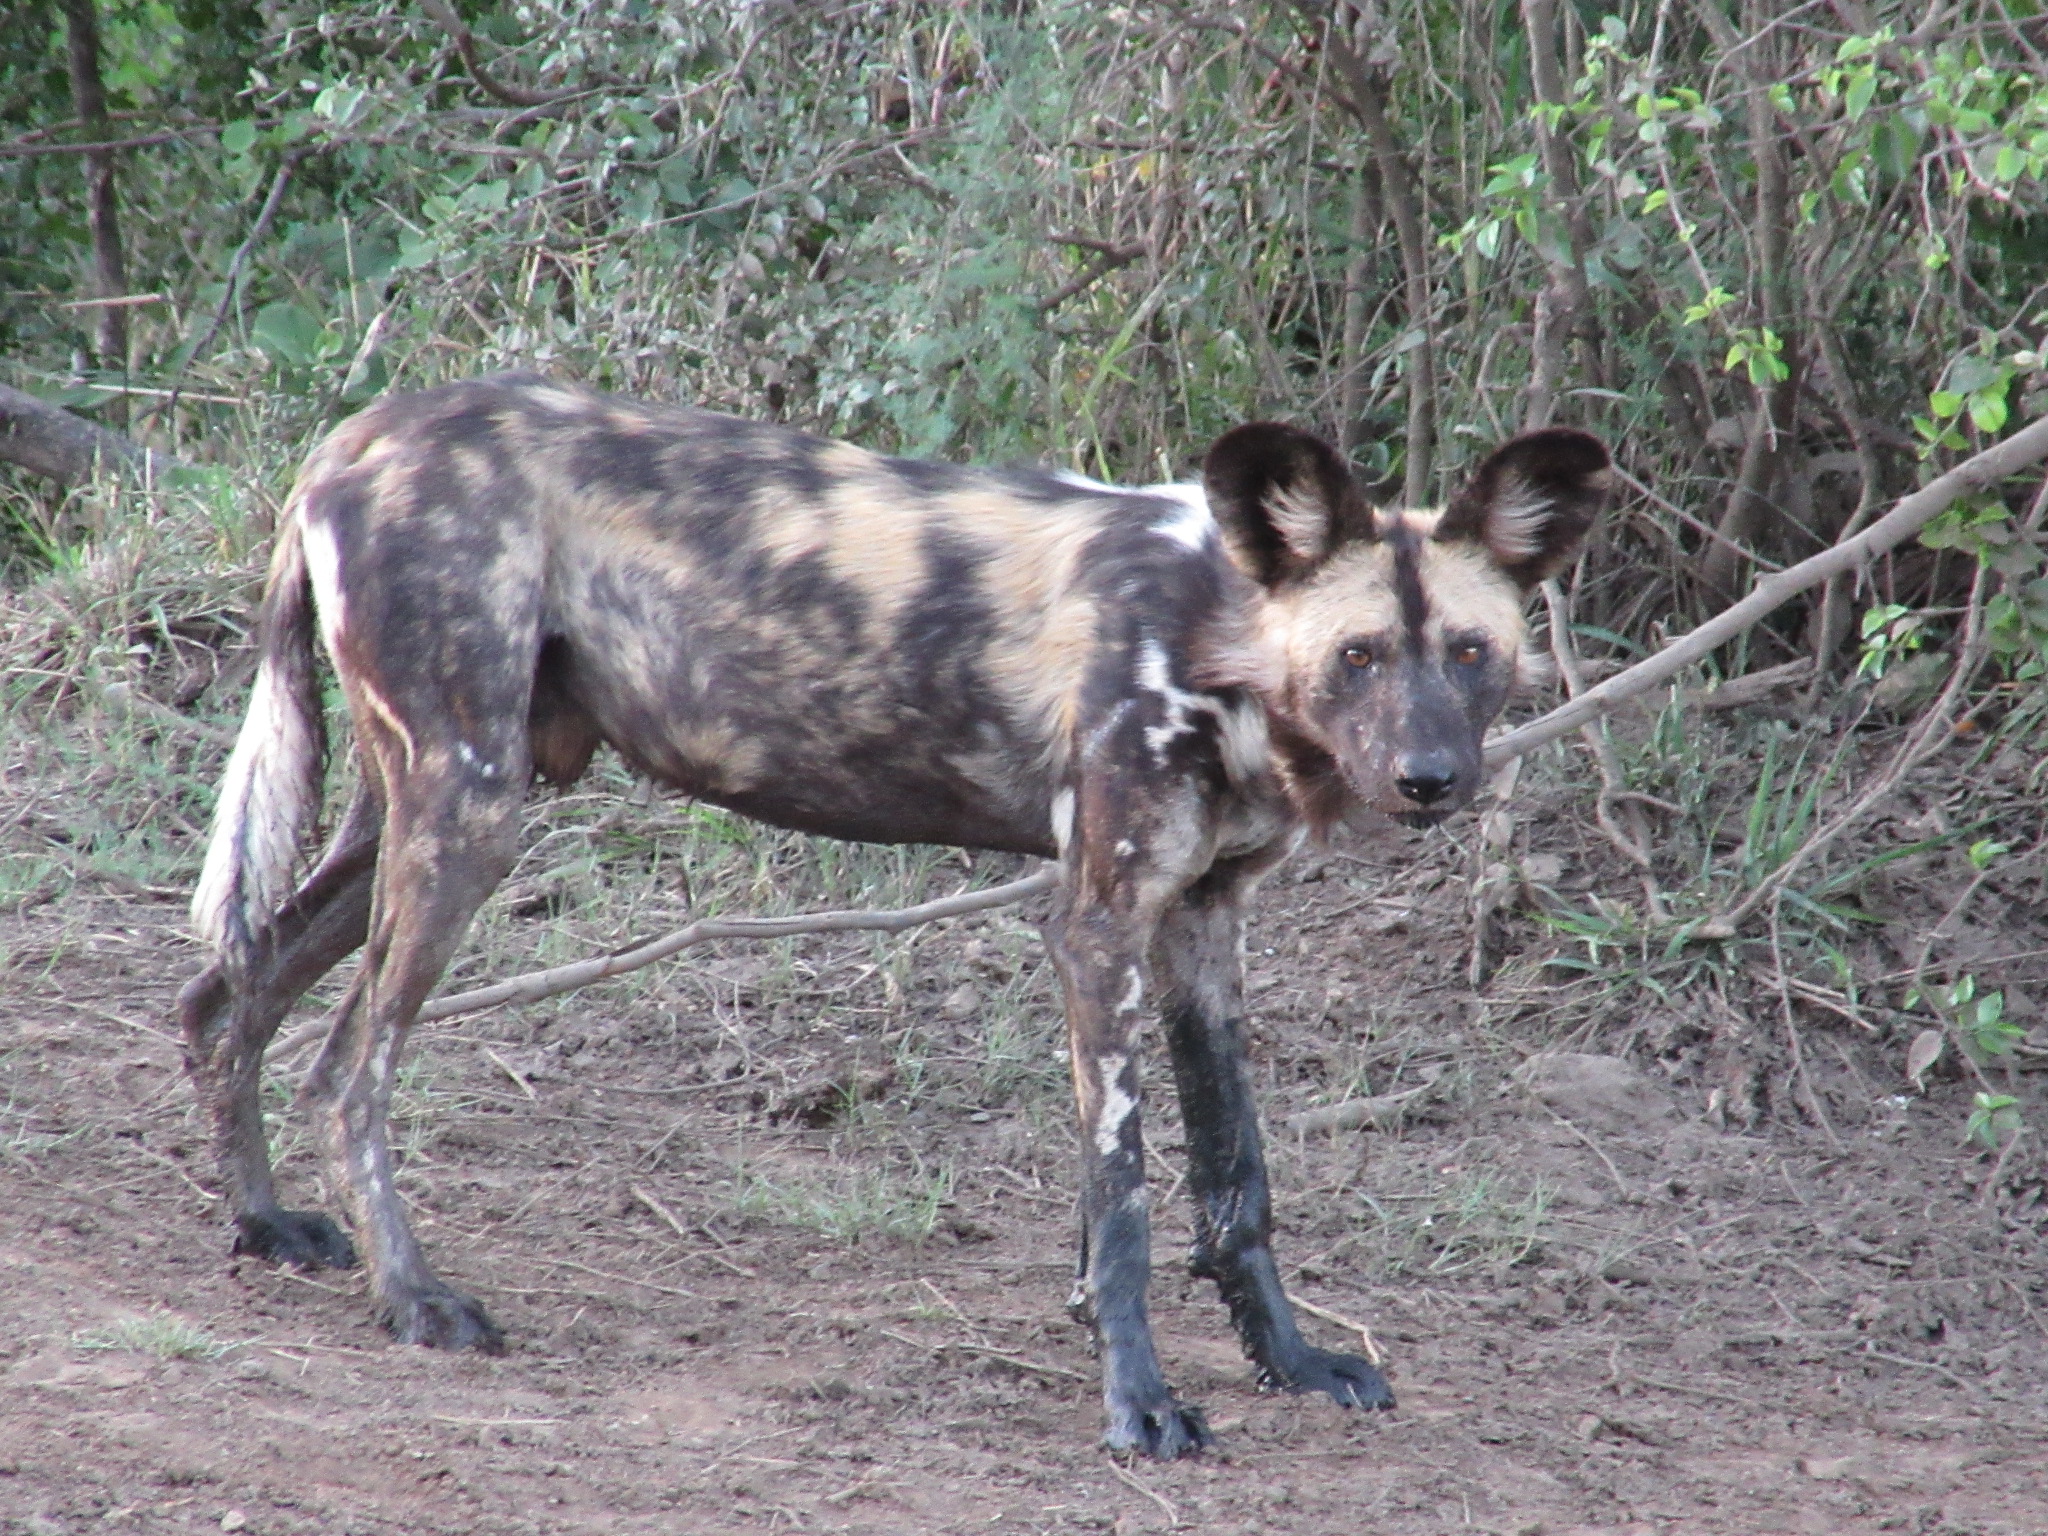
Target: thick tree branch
(53, 443)
(1365, 80)
(2027, 446)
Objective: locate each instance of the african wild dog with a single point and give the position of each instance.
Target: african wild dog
(1161, 688)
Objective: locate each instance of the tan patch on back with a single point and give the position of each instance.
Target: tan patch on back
(1041, 656)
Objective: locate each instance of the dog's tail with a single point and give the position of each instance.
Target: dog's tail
(270, 794)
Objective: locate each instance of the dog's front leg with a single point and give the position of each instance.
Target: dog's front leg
(1098, 939)
(1198, 961)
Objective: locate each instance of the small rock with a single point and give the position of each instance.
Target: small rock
(1827, 1469)
(234, 1520)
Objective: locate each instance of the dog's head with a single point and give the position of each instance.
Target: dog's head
(1398, 634)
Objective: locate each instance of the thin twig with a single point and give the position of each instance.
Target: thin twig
(1803, 1083)
(1611, 808)
(1131, 1480)
(1929, 735)
(257, 231)
(1329, 1315)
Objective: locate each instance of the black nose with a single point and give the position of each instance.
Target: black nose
(1426, 778)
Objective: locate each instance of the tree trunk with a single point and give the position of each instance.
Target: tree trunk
(110, 268)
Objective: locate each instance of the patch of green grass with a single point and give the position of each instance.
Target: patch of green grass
(17, 1140)
(161, 1335)
(1475, 1223)
(849, 1202)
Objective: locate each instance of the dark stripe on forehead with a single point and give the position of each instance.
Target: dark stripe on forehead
(1407, 552)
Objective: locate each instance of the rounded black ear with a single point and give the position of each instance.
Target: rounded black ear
(1532, 501)
(1283, 498)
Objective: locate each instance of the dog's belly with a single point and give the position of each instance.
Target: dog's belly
(835, 754)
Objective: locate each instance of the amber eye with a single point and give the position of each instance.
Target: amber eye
(1468, 654)
(1358, 655)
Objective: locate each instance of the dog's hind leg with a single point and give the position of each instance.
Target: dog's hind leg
(450, 835)
(227, 1023)
(1197, 958)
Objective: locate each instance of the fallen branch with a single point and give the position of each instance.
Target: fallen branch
(1914, 512)
(535, 985)
(47, 440)
(1382, 1112)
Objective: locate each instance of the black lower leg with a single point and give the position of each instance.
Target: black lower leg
(1116, 1272)
(1204, 1022)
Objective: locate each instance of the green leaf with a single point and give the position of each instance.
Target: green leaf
(287, 333)
(1971, 372)
(1988, 409)
(238, 137)
(1862, 87)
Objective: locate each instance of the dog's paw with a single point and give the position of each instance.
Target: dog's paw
(302, 1239)
(1163, 1428)
(1347, 1380)
(440, 1318)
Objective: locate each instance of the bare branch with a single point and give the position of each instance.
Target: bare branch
(257, 231)
(1108, 259)
(1367, 97)
(465, 44)
(2027, 446)
(536, 985)
(20, 149)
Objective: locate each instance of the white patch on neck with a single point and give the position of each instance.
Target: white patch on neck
(1247, 744)
(1135, 995)
(1063, 820)
(1189, 524)
(1156, 676)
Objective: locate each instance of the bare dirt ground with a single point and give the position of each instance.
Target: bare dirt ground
(1669, 1281)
